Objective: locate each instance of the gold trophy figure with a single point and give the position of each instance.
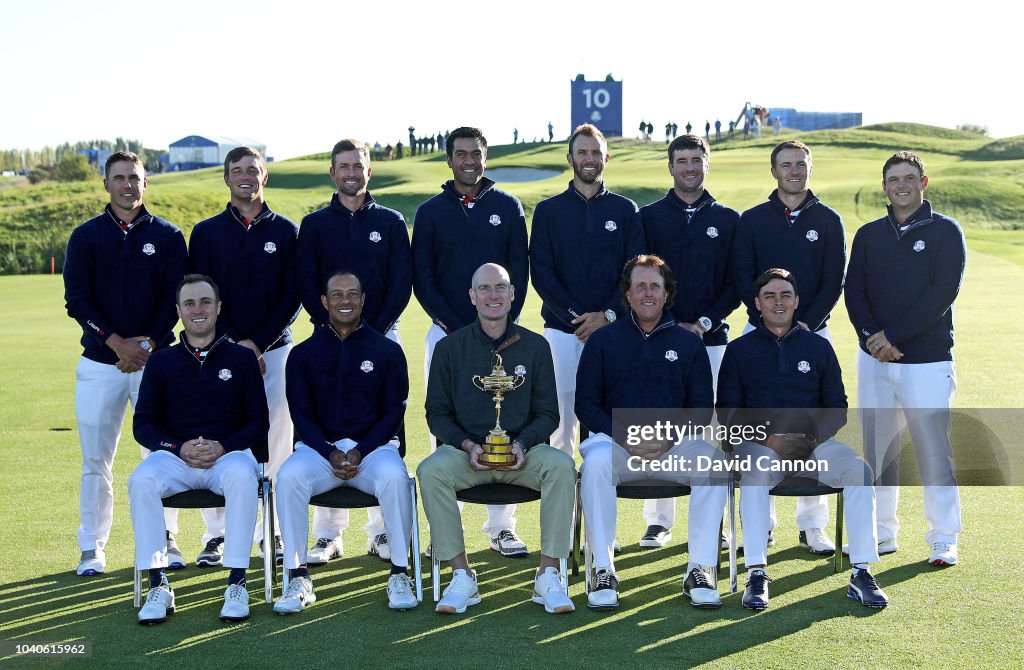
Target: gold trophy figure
(498, 445)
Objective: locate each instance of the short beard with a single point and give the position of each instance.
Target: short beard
(578, 173)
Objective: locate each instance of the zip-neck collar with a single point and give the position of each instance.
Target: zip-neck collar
(125, 226)
(485, 186)
(921, 217)
(338, 337)
(809, 201)
(507, 339)
(667, 321)
(189, 350)
(704, 200)
(265, 213)
(691, 211)
(600, 194)
(336, 204)
(763, 329)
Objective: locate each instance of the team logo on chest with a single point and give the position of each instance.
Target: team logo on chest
(520, 371)
(224, 374)
(366, 366)
(149, 249)
(812, 236)
(270, 247)
(495, 220)
(610, 226)
(919, 245)
(375, 236)
(671, 355)
(712, 232)
(803, 366)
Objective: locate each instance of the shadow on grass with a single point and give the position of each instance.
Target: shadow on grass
(66, 607)
(350, 621)
(746, 628)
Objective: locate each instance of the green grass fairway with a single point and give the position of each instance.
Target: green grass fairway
(965, 616)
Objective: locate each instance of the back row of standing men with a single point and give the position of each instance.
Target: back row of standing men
(122, 269)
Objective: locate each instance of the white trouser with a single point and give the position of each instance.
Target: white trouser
(279, 439)
(233, 476)
(499, 517)
(715, 356)
(893, 397)
(811, 511)
(330, 522)
(662, 511)
(844, 470)
(306, 473)
(606, 464)
(101, 394)
(566, 349)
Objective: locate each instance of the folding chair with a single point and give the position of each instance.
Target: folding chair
(201, 498)
(808, 486)
(790, 487)
(348, 497)
(499, 494)
(643, 490)
(635, 490)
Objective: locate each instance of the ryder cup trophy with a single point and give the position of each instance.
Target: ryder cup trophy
(498, 445)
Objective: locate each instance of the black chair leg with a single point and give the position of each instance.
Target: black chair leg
(577, 523)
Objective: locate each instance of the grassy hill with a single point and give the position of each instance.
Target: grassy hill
(975, 179)
(936, 619)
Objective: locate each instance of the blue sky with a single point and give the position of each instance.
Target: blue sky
(298, 76)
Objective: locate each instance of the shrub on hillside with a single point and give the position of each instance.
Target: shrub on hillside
(973, 128)
(74, 167)
(39, 174)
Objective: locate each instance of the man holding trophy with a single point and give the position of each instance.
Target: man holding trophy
(491, 401)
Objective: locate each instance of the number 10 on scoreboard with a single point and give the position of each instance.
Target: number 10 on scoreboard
(599, 103)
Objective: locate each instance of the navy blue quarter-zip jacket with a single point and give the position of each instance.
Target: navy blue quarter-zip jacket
(219, 397)
(696, 242)
(577, 250)
(373, 243)
(453, 236)
(354, 388)
(812, 247)
(904, 279)
(796, 371)
(254, 267)
(123, 281)
(622, 367)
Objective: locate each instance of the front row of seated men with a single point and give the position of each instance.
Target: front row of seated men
(202, 406)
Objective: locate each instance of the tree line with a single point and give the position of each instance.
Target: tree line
(64, 163)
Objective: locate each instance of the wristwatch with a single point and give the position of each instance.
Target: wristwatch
(610, 316)
(705, 323)
(144, 344)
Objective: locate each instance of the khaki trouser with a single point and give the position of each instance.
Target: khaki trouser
(447, 470)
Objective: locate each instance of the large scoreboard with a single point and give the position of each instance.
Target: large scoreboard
(599, 103)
